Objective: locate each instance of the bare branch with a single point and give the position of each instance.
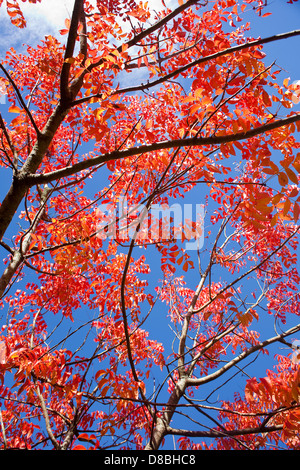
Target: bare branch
(21, 101)
(72, 36)
(261, 345)
(32, 179)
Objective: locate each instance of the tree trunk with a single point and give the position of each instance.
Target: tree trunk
(161, 427)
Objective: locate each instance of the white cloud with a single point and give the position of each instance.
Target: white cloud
(48, 18)
(42, 19)
(51, 13)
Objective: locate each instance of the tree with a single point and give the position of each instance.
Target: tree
(129, 324)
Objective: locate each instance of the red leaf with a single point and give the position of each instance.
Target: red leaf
(296, 212)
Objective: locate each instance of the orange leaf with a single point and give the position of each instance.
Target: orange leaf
(276, 199)
(99, 373)
(259, 54)
(292, 176)
(266, 98)
(86, 437)
(70, 60)
(185, 267)
(296, 211)
(286, 206)
(195, 107)
(294, 192)
(274, 220)
(14, 109)
(267, 384)
(179, 261)
(282, 179)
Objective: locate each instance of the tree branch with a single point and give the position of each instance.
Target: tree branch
(46, 417)
(184, 68)
(72, 36)
(31, 180)
(18, 255)
(243, 355)
(20, 99)
(230, 433)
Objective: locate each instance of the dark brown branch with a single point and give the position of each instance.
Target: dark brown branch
(76, 85)
(216, 55)
(230, 50)
(159, 24)
(10, 144)
(213, 433)
(20, 99)
(31, 180)
(72, 36)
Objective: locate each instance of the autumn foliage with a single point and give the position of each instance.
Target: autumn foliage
(114, 334)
